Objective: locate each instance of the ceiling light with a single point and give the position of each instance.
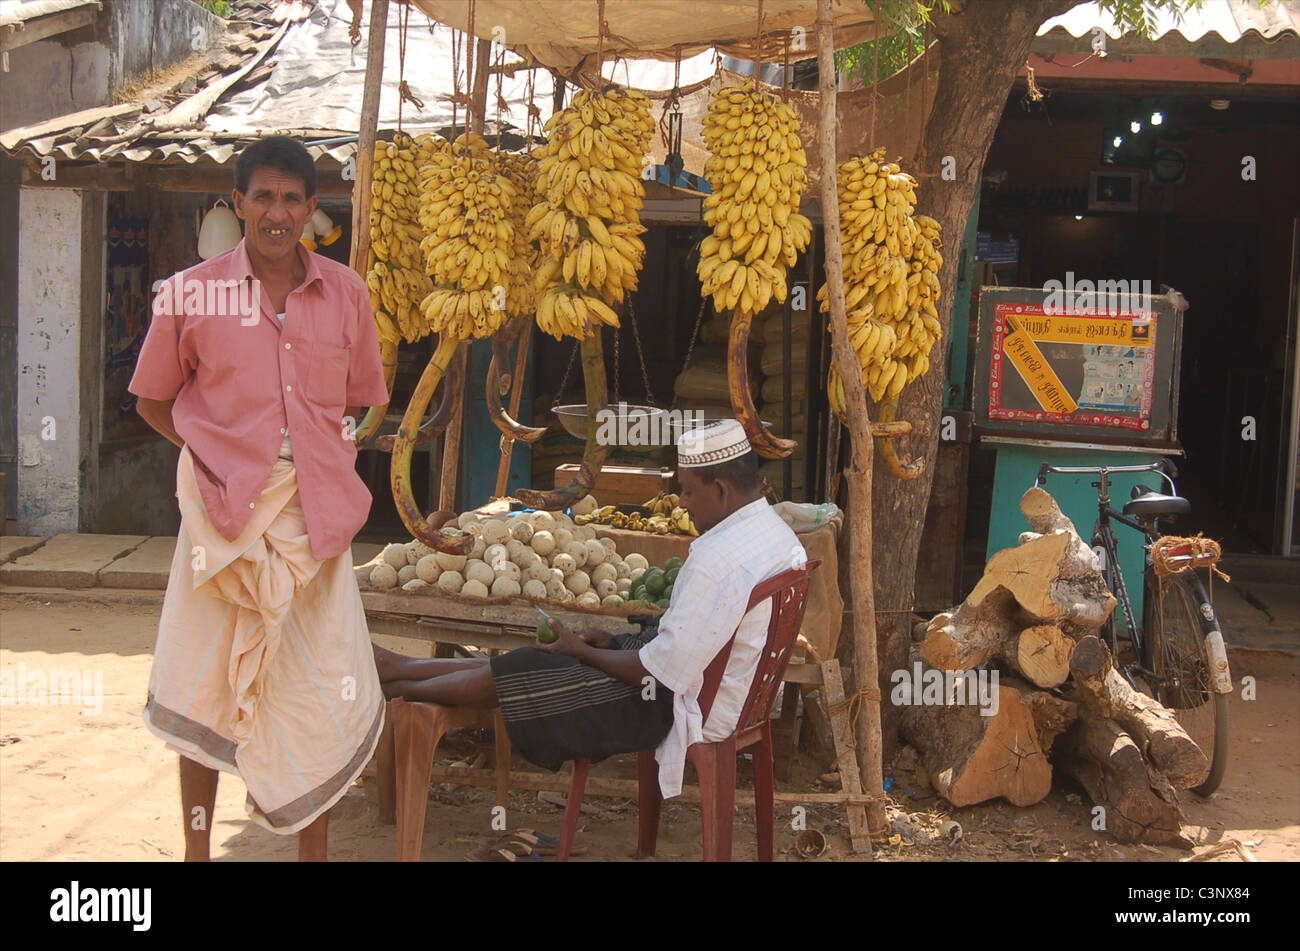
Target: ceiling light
(1078, 217)
(1157, 118)
(1220, 104)
(1117, 141)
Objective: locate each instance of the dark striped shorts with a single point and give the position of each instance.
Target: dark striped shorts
(557, 708)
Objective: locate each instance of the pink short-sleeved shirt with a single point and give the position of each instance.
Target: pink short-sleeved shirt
(241, 382)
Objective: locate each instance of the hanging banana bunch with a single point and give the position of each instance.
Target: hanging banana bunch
(891, 287)
(394, 271)
(756, 170)
(586, 228)
(585, 223)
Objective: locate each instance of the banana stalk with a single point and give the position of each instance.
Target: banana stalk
(453, 391)
(593, 455)
(909, 470)
(742, 404)
(501, 358)
(375, 414)
(404, 448)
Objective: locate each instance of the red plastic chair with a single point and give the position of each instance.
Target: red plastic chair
(716, 761)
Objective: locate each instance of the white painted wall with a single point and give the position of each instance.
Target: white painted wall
(49, 359)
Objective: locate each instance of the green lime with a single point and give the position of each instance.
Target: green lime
(544, 632)
(655, 582)
(668, 593)
(663, 603)
(673, 564)
(638, 593)
(671, 573)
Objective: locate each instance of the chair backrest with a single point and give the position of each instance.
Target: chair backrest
(788, 593)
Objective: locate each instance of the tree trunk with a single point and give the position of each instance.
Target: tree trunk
(1055, 581)
(1040, 654)
(972, 757)
(981, 48)
(1139, 803)
(1160, 737)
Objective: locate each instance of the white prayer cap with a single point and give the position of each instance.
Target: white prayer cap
(711, 444)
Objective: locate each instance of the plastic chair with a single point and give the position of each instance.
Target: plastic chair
(716, 761)
(412, 731)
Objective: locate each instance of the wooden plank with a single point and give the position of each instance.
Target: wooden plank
(366, 133)
(844, 756)
(616, 484)
(14, 35)
(619, 788)
(190, 112)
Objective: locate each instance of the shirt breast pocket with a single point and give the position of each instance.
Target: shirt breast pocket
(327, 378)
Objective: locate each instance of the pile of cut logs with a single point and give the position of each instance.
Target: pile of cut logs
(1034, 617)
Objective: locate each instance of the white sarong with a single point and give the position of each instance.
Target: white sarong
(263, 665)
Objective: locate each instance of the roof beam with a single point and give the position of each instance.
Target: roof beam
(14, 35)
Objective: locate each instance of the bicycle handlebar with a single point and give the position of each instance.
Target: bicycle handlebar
(1162, 467)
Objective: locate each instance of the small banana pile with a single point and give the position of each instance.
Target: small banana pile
(663, 503)
(891, 284)
(394, 271)
(585, 224)
(673, 520)
(756, 169)
(469, 241)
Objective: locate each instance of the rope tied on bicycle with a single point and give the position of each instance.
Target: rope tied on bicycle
(1174, 554)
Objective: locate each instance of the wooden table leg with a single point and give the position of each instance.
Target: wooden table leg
(501, 740)
(386, 770)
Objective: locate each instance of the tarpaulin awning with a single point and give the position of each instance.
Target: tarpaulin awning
(563, 33)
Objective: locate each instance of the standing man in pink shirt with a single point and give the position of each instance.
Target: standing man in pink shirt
(255, 364)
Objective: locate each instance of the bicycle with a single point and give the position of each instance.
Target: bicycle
(1181, 659)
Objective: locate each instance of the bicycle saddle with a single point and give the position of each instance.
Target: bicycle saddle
(1148, 503)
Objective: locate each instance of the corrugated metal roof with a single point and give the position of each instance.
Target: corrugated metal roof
(307, 84)
(1271, 30)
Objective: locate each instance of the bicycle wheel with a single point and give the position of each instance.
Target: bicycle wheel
(1177, 616)
(1107, 631)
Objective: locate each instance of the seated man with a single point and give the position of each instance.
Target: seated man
(592, 695)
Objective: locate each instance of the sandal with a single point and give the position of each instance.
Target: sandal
(544, 844)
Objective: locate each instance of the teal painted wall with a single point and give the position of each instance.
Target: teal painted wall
(481, 454)
(1017, 467)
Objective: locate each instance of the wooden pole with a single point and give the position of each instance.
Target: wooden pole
(862, 595)
(366, 135)
(455, 429)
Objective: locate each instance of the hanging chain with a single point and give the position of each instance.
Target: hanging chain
(618, 331)
(695, 335)
(564, 380)
(640, 353)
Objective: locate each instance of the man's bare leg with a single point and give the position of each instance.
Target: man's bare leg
(312, 840)
(198, 800)
(394, 666)
(471, 687)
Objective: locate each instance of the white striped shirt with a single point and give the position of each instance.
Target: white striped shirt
(725, 564)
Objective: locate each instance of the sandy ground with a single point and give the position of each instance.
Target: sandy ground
(81, 784)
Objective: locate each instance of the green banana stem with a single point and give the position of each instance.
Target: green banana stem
(501, 358)
(404, 449)
(453, 392)
(885, 444)
(375, 415)
(742, 402)
(593, 455)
